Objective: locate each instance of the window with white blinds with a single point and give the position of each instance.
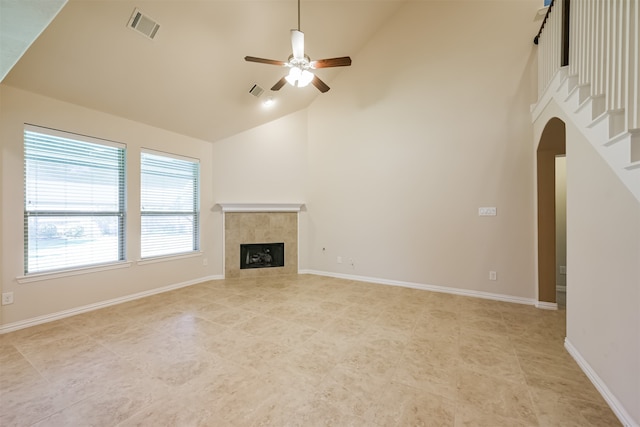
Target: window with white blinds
(74, 204)
(170, 204)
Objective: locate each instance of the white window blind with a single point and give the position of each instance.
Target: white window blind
(74, 211)
(170, 205)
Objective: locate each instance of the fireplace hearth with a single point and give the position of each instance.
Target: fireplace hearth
(261, 255)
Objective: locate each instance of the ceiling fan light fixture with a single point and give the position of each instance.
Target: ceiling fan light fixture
(299, 64)
(305, 78)
(299, 77)
(293, 76)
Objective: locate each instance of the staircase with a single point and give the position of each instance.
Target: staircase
(589, 64)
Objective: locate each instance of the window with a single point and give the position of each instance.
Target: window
(170, 206)
(74, 208)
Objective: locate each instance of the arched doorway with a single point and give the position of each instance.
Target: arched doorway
(552, 144)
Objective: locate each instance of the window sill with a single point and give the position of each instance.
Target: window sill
(153, 260)
(36, 277)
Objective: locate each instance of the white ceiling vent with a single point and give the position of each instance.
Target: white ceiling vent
(256, 90)
(143, 24)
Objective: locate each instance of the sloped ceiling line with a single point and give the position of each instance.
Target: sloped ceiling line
(192, 78)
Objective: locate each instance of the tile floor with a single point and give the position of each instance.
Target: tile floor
(298, 351)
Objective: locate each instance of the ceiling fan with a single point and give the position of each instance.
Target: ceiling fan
(300, 65)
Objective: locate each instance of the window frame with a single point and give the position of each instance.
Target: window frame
(195, 211)
(120, 214)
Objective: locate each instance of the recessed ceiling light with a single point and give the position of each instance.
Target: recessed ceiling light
(268, 102)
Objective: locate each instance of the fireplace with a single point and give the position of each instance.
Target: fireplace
(260, 224)
(261, 255)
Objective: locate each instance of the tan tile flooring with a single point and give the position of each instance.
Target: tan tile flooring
(298, 351)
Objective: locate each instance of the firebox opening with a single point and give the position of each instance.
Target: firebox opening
(261, 255)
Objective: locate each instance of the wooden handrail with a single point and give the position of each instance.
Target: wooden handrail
(544, 21)
(566, 8)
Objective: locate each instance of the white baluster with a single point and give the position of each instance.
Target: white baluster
(633, 64)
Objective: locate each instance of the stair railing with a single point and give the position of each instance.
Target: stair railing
(599, 42)
(553, 42)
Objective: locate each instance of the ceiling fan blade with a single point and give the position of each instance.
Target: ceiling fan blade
(264, 61)
(343, 61)
(322, 86)
(279, 84)
(297, 44)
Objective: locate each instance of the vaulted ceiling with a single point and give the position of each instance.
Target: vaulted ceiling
(21, 22)
(192, 77)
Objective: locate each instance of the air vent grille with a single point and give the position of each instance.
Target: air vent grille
(256, 90)
(143, 24)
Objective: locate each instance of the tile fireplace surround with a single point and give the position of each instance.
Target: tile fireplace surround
(253, 223)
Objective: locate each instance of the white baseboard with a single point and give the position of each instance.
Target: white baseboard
(14, 326)
(602, 388)
(546, 305)
(425, 287)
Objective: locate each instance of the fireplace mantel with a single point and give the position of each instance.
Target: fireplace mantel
(261, 207)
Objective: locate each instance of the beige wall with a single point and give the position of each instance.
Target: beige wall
(46, 297)
(266, 164)
(430, 123)
(603, 261)
(561, 219)
(603, 258)
(2, 244)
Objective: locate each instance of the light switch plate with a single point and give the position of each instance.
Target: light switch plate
(488, 211)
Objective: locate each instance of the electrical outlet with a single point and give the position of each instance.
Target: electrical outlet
(205, 261)
(7, 298)
(563, 269)
(339, 260)
(351, 263)
(493, 275)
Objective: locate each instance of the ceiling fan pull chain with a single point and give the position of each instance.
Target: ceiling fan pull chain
(298, 15)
